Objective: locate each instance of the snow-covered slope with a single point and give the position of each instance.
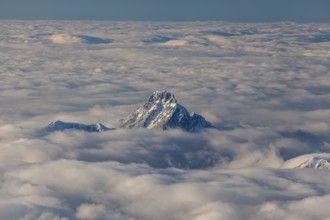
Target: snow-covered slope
(60, 126)
(163, 111)
(316, 161)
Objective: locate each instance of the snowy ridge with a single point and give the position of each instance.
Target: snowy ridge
(315, 161)
(61, 126)
(162, 111)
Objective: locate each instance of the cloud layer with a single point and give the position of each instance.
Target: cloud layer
(265, 86)
(68, 189)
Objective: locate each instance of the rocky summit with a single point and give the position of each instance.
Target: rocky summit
(162, 111)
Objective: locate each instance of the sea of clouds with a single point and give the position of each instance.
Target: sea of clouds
(266, 87)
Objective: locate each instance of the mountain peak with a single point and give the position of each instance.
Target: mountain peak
(162, 96)
(162, 111)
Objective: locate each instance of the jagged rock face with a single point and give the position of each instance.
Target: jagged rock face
(162, 111)
(60, 126)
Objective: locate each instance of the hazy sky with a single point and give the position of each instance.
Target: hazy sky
(169, 10)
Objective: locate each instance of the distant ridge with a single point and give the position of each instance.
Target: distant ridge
(61, 126)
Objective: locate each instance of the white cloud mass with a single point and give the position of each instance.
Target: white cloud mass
(64, 39)
(265, 86)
